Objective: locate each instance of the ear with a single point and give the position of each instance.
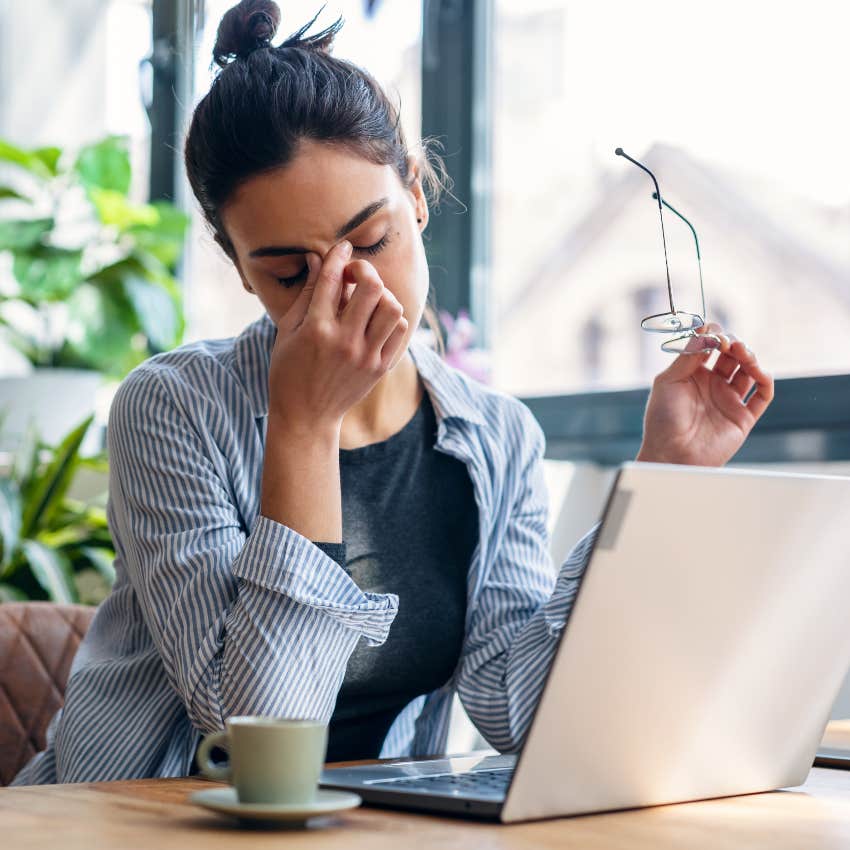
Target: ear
(227, 247)
(420, 202)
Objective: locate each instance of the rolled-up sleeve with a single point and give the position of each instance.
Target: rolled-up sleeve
(246, 622)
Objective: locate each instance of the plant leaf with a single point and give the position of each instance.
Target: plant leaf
(25, 461)
(7, 193)
(105, 165)
(50, 157)
(10, 520)
(20, 341)
(51, 570)
(66, 533)
(29, 160)
(95, 516)
(23, 234)
(165, 238)
(96, 463)
(47, 274)
(10, 593)
(79, 527)
(156, 311)
(49, 489)
(103, 327)
(114, 209)
(102, 560)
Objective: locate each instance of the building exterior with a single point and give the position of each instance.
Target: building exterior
(573, 321)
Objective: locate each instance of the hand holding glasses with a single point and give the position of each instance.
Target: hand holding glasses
(674, 321)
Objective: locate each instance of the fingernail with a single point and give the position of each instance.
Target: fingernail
(346, 248)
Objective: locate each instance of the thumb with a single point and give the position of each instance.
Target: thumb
(683, 367)
(294, 316)
(693, 358)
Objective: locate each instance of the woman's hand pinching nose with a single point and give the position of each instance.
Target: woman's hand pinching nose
(335, 342)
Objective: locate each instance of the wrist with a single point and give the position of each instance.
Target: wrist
(300, 485)
(288, 431)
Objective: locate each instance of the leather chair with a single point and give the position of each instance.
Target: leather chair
(38, 641)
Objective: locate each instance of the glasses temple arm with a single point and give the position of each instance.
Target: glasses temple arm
(621, 152)
(676, 212)
(673, 210)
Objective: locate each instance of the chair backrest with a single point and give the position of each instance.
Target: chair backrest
(38, 641)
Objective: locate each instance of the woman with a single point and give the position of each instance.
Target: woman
(320, 518)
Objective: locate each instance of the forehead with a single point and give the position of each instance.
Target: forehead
(317, 192)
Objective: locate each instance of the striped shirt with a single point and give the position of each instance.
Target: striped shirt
(219, 611)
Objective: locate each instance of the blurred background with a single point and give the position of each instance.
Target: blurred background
(543, 262)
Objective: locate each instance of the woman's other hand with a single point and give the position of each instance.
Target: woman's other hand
(696, 415)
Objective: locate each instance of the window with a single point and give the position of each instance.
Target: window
(741, 117)
(384, 38)
(82, 82)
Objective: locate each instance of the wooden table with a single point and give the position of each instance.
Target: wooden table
(154, 814)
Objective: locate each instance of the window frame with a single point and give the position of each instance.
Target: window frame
(175, 25)
(456, 109)
(808, 422)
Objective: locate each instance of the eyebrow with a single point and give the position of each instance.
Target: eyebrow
(364, 214)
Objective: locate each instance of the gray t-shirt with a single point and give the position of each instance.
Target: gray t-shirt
(410, 527)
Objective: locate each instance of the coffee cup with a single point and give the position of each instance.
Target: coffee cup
(270, 759)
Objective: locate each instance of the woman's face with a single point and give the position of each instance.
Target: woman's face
(326, 194)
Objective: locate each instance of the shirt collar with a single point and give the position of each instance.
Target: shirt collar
(450, 391)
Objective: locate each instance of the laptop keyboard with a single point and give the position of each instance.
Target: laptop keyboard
(475, 782)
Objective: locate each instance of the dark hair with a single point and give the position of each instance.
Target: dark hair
(266, 99)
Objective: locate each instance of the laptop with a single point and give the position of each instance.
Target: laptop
(702, 657)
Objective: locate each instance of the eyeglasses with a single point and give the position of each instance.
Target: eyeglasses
(675, 321)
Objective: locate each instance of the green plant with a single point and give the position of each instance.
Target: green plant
(53, 547)
(93, 283)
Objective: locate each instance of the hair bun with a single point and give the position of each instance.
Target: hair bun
(246, 27)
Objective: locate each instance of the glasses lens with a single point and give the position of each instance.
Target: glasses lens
(665, 323)
(691, 344)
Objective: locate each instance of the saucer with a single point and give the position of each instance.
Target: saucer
(225, 801)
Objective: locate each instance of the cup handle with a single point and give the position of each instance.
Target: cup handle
(209, 769)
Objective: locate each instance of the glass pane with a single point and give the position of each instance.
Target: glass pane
(383, 37)
(73, 75)
(745, 127)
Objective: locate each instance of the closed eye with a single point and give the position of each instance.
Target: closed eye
(295, 279)
(369, 250)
